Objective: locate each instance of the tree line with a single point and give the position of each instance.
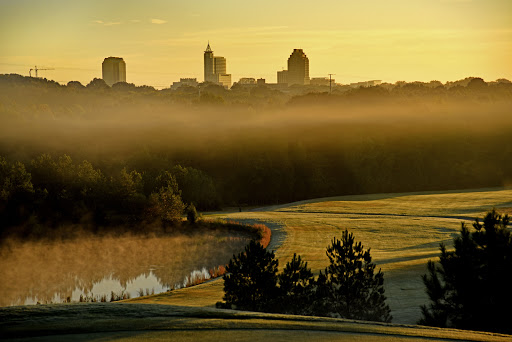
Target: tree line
(349, 287)
(408, 137)
(50, 191)
(264, 95)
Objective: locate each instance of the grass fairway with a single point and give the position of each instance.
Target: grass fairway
(136, 322)
(403, 231)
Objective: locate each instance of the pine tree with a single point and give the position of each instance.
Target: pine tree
(296, 287)
(354, 290)
(470, 287)
(251, 279)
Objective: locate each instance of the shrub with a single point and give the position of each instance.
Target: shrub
(192, 215)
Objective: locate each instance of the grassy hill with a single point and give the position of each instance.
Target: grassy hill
(403, 231)
(135, 322)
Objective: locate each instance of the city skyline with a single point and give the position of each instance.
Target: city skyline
(215, 69)
(161, 41)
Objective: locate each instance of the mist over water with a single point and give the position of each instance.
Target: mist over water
(52, 271)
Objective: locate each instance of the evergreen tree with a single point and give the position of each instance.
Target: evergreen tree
(353, 289)
(251, 279)
(470, 287)
(296, 287)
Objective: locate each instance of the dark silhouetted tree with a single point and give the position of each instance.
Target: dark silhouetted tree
(296, 287)
(75, 85)
(124, 86)
(98, 84)
(16, 192)
(470, 288)
(251, 279)
(477, 83)
(353, 288)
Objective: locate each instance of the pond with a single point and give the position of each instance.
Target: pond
(93, 267)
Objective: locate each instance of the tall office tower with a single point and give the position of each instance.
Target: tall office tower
(220, 65)
(209, 66)
(113, 70)
(215, 69)
(298, 68)
(221, 77)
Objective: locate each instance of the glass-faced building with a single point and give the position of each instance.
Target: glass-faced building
(215, 68)
(113, 70)
(298, 68)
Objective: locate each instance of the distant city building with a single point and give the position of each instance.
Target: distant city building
(209, 66)
(247, 80)
(282, 77)
(223, 79)
(192, 82)
(220, 65)
(260, 81)
(321, 81)
(215, 70)
(298, 68)
(113, 70)
(365, 84)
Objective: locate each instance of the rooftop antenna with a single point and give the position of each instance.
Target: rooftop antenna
(330, 83)
(36, 69)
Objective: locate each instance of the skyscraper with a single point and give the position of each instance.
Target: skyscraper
(215, 68)
(113, 70)
(298, 68)
(209, 66)
(220, 65)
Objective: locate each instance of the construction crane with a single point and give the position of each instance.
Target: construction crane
(36, 69)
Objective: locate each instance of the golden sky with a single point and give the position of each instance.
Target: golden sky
(163, 40)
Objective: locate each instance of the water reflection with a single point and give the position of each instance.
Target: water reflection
(55, 272)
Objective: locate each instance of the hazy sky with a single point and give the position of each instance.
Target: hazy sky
(163, 40)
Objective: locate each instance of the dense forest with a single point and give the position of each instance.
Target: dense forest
(114, 154)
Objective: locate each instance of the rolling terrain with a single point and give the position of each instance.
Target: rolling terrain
(403, 231)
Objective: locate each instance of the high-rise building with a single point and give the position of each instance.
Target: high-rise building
(298, 68)
(282, 77)
(220, 65)
(215, 68)
(209, 66)
(113, 70)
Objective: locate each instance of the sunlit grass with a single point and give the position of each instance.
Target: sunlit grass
(403, 231)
